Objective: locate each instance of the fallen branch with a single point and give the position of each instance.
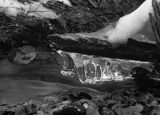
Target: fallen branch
(93, 45)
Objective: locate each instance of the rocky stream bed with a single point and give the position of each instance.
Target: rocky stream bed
(82, 102)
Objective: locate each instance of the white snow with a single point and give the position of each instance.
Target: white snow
(12, 8)
(130, 24)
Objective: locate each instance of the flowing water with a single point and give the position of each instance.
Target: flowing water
(19, 82)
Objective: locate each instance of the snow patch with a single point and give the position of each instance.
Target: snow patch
(67, 2)
(130, 24)
(12, 8)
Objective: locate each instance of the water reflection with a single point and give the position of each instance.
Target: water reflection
(92, 69)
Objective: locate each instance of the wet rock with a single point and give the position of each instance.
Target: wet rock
(138, 107)
(40, 112)
(73, 96)
(106, 95)
(131, 110)
(106, 111)
(112, 103)
(26, 109)
(59, 106)
(72, 109)
(87, 103)
(51, 99)
(98, 99)
(92, 111)
(83, 95)
(126, 111)
(24, 55)
(155, 112)
(146, 99)
(8, 113)
(154, 103)
(133, 102)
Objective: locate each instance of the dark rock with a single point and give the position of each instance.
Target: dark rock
(8, 113)
(92, 111)
(71, 110)
(98, 100)
(141, 78)
(83, 95)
